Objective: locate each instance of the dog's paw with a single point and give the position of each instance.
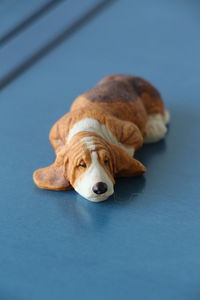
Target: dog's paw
(155, 129)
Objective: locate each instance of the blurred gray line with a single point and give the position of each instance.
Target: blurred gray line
(28, 21)
(66, 33)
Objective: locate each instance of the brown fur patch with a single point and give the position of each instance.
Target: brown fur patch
(138, 84)
(112, 91)
(126, 111)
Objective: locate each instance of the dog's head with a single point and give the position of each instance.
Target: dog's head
(89, 164)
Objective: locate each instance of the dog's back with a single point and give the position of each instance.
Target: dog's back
(126, 97)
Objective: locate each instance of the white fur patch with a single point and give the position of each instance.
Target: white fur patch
(92, 125)
(156, 127)
(89, 143)
(95, 173)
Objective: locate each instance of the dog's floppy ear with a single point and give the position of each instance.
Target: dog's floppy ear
(126, 132)
(53, 177)
(125, 165)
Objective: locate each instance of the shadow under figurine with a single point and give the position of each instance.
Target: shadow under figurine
(95, 141)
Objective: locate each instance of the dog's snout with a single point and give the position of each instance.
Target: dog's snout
(100, 188)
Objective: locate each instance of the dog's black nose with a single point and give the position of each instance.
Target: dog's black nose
(100, 188)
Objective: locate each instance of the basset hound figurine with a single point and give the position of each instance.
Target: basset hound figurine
(95, 141)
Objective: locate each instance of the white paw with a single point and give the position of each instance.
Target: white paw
(155, 129)
(166, 117)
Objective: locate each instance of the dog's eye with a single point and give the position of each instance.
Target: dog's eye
(106, 161)
(82, 164)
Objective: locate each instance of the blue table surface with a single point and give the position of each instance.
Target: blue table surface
(12, 12)
(144, 243)
(41, 32)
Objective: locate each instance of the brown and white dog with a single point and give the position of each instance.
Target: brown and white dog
(95, 142)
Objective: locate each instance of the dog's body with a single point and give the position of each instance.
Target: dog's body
(96, 140)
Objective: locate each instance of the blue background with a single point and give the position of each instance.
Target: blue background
(144, 243)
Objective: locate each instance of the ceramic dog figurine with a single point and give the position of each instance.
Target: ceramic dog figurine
(95, 141)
